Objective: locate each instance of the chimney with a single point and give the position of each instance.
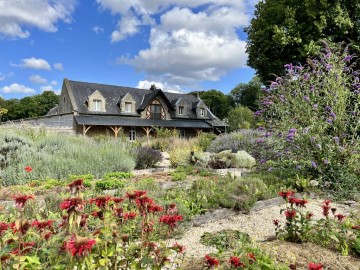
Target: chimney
(153, 87)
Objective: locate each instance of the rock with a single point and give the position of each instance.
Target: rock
(179, 184)
(213, 216)
(259, 205)
(350, 203)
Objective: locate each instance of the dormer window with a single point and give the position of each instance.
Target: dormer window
(97, 104)
(202, 112)
(181, 110)
(128, 107)
(155, 110)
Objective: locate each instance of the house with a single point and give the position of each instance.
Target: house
(91, 108)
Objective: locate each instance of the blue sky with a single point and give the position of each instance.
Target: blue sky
(180, 45)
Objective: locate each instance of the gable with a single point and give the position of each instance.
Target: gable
(96, 102)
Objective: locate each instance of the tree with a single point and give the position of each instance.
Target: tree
(241, 117)
(3, 110)
(217, 102)
(247, 94)
(290, 31)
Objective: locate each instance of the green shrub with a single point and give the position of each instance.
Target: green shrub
(180, 156)
(224, 239)
(117, 175)
(147, 157)
(110, 183)
(205, 140)
(178, 176)
(244, 160)
(88, 176)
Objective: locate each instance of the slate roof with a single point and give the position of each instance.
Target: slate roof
(113, 95)
(113, 120)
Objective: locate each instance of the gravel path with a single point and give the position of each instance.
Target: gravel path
(258, 224)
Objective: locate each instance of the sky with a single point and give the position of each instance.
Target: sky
(178, 45)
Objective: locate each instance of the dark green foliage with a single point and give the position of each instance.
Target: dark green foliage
(247, 94)
(147, 157)
(289, 31)
(217, 102)
(37, 105)
(241, 118)
(205, 140)
(117, 175)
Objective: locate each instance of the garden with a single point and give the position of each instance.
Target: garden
(73, 202)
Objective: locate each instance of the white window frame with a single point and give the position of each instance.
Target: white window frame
(132, 134)
(181, 110)
(202, 112)
(97, 104)
(128, 105)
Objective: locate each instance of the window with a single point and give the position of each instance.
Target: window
(132, 134)
(97, 104)
(202, 112)
(182, 133)
(155, 111)
(128, 107)
(181, 110)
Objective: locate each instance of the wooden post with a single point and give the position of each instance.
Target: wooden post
(198, 131)
(147, 131)
(86, 129)
(115, 130)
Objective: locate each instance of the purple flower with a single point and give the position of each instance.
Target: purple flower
(292, 130)
(318, 145)
(290, 137)
(328, 108)
(266, 90)
(328, 54)
(260, 140)
(357, 92)
(263, 161)
(315, 106)
(328, 66)
(313, 139)
(332, 115)
(258, 113)
(279, 135)
(329, 121)
(311, 88)
(288, 66)
(270, 169)
(306, 98)
(273, 85)
(347, 58)
(326, 162)
(278, 154)
(336, 139)
(306, 76)
(313, 164)
(267, 135)
(306, 130)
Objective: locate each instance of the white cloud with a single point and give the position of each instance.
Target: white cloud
(54, 82)
(17, 88)
(33, 63)
(16, 16)
(190, 41)
(59, 66)
(97, 29)
(37, 79)
(50, 88)
(163, 86)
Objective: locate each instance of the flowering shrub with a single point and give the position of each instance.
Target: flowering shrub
(96, 233)
(332, 231)
(314, 111)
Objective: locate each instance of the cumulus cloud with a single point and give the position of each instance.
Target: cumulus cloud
(35, 78)
(17, 16)
(190, 41)
(50, 87)
(17, 88)
(59, 66)
(33, 63)
(163, 86)
(97, 29)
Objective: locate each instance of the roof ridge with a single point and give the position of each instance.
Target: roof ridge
(105, 84)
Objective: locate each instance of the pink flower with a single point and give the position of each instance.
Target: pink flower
(315, 266)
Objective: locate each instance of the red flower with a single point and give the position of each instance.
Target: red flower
(143, 203)
(211, 261)
(135, 194)
(276, 222)
(24, 248)
(98, 214)
(286, 194)
(79, 246)
(340, 217)
(21, 226)
(298, 202)
(171, 220)
(71, 204)
(20, 200)
(178, 248)
(83, 220)
(251, 257)
(290, 214)
(119, 212)
(315, 266)
(327, 202)
(236, 262)
(356, 227)
(100, 201)
(117, 200)
(47, 236)
(309, 215)
(28, 169)
(41, 225)
(129, 215)
(76, 185)
(3, 227)
(172, 210)
(154, 208)
(326, 209)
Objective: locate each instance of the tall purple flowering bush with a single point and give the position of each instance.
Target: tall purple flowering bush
(315, 112)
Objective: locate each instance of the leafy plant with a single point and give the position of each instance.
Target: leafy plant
(147, 157)
(110, 183)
